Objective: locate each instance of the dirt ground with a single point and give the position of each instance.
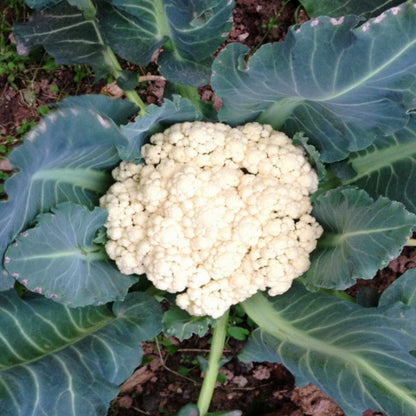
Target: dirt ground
(171, 378)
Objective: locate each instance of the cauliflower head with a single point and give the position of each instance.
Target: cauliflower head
(215, 214)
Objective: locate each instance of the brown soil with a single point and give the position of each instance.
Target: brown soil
(258, 389)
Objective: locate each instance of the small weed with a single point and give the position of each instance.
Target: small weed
(168, 346)
(82, 72)
(272, 24)
(3, 177)
(25, 127)
(5, 147)
(184, 371)
(221, 378)
(239, 324)
(54, 89)
(43, 110)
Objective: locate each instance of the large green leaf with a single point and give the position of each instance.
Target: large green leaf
(361, 236)
(67, 157)
(59, 361)
(358, 356)
(67, 35)
(59, 258)
(43, 4)
(189, 31)
(387, 168)
(343, 85)
(156, 119)
(119, 111)
(337, 8)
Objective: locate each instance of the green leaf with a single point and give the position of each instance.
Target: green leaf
(343, 85)
(118, 110)
(59, 361)
(67, 35)
(357, 356)
(189, 30)
(41, 4)
(155, 120)
(59, 259)
(361, 236)
(132, 28)
(67, 157)
(178, 323)
(237, 332)
(402, 290)
(337, 8)
(386, 168)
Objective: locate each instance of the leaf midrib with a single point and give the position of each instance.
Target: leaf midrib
(365, 164)
(369, 76)
(336, 239)
(75, 340)
(85, 178)
(268, 319)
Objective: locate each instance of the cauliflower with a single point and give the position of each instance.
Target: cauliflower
(215, 214)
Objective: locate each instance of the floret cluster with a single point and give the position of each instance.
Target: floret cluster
(214, 214)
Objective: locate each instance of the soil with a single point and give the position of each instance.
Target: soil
(171, 376)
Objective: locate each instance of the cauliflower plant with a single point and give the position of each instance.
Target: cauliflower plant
(215, 214)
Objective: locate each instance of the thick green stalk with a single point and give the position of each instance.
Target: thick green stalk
(116, 71)
(192, 94)
(215, 354)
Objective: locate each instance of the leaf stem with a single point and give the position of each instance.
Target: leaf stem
(191, 93)
(116, 71)
(340, 294)
(217, 347)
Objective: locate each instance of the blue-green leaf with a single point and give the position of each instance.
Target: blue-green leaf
(67, 157)
(189, 31)
(134, 30)
(118, 110)
(43, 4)
(402, 290)
(361, 236)
(155, 120)
(386, 168)
(67, 35)
(337, 8)
(59, 361)
(357, 356)
(59, 258)
(343, 85)
(178, 323)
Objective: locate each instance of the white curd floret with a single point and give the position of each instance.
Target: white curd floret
(215, 214)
